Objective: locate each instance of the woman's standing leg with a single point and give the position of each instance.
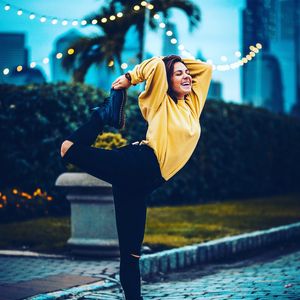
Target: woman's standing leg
(130, 209)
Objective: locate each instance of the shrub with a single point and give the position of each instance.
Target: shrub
(243, 151)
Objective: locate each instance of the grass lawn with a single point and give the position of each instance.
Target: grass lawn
(166, 226)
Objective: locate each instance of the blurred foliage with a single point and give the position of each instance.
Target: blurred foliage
(109, 140)
(16, 204)
(243, 151)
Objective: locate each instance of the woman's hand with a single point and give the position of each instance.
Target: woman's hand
(121, 83)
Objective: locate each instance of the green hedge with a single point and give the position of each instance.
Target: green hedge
(242, 152)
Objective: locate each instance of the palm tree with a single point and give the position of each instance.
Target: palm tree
(108, 46)
(191, 10)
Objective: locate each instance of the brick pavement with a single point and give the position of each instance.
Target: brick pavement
(22, 277)
(268, 276)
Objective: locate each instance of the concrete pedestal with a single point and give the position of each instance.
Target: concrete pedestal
(93, 225)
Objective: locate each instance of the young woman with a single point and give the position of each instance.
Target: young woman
(173, 99)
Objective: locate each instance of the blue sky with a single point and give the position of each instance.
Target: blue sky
(218, 34)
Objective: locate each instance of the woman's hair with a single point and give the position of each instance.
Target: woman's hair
(170, 61)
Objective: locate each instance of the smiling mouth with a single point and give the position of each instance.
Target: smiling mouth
(186, 84)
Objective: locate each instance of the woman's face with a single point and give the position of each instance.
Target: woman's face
(181, 80)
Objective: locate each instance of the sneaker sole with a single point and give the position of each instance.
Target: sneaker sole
(122, 117)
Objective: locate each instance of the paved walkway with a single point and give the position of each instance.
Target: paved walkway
(272, 275)
(22, 277)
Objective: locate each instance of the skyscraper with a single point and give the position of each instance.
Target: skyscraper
(12, 52)
(270, 80)
(168, 47)
(62, 44)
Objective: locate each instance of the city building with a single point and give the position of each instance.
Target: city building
(271, 80)
(26, 76)
(215, 90)
(61, 45)
(167, 47)
(13, 53)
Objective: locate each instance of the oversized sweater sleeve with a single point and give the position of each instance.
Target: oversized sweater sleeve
(154, 73)
(201, 73)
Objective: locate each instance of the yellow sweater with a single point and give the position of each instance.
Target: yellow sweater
(173, 129)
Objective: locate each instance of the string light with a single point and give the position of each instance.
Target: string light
(46, 60)
(59, 55)
(74, 22)
(162, 25)
(224, 58)
(71, 51)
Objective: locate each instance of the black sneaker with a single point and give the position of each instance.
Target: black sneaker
(112, 112)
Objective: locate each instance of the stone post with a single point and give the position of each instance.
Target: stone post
(93, 225)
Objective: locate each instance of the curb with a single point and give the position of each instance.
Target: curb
(92, 287)
(30, 254)
(180, 258)
(183, 257)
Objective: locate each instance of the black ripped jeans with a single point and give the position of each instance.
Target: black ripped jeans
(134, 172)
